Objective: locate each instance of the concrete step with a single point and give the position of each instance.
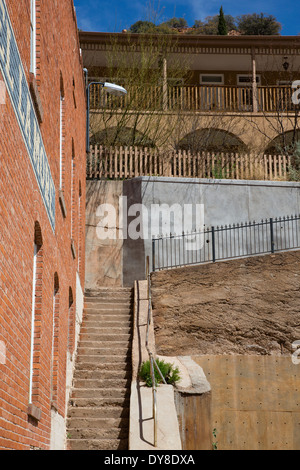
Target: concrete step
(87, 402)
(93, 366)
(103, 432)
(105, 315)
(92, 423)
(108, 303)
(100, 331)
(96, 344)
(115, 294)
(98, 362)
(104, 351)
(112, 411)
(100, 393)
(98, 444)
(94, 383)
(107, 323)
(103, 374)
(109, 338)
(102, 313)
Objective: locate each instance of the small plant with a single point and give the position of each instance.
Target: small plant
(170, 374)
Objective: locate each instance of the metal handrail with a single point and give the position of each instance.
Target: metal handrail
(153, 362)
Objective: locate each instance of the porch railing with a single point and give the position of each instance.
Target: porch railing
(214, 98)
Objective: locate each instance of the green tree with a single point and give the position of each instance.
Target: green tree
(143, 27)
(258, 24)
(177, 23)
(222, 25)
(210, 25)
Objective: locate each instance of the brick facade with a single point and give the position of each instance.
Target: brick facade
(33, 366)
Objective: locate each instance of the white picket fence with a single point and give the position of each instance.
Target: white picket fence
(130, 162)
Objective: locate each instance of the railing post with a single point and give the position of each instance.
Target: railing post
(153, 254)
(272, 235)
(213, 244)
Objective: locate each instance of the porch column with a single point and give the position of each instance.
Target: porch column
(254, 83)
(165, 83)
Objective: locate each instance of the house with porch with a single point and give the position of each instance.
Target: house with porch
(201, 93)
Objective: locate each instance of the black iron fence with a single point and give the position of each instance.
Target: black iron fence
(226, 242)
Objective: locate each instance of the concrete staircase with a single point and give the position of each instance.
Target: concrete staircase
(98, 414)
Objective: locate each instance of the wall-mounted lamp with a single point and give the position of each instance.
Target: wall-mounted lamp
(111, 88)
(285, 64)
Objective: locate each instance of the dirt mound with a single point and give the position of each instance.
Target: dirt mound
(244, 306)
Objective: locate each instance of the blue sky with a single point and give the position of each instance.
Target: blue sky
(115, 15)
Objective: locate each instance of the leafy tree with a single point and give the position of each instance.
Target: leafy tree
(258, 24)
(222, 25)
(210, 25)
(177, 23)
(164, 28)
(143, 27)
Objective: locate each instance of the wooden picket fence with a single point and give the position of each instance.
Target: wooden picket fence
(119, 163)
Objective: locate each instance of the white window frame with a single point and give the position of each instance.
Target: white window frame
(284, 82)
(212, 82)
(249, 83)
(177, 81)
(33, 36)
(61, 101)
(32, 322)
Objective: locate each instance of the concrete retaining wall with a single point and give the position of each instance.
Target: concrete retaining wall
(183, 411)
(255, 401)
(121, 261)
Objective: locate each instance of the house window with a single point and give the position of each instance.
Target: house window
(211, 96)
(33, 36)
(211, 79)
(244, 80)
(175, 81)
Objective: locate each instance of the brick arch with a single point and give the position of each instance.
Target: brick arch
(283, 143)
(212, 140)
(56, 283)
(38, 238)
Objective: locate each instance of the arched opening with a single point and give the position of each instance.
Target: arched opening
(121, 136)
(284, 144)
(212, 140)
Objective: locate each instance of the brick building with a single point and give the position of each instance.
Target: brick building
(42, 201)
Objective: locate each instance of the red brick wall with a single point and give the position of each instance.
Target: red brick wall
(21, 210)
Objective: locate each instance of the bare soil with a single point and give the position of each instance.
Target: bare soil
(244, 306)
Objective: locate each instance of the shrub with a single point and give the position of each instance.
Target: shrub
(170, 374)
